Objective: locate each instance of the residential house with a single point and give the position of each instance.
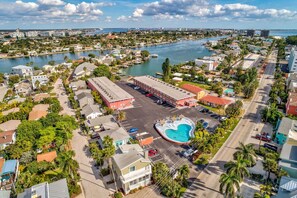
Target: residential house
(12, 110)
(288, 156)
(293, 60)
(10, 125)
(50, 68)
(40, 97)
(48, 157)
(199, 92)
(80, 84)
(132, 170)
(42, 80)
(283, 129)
(84, 69)
(120, 136)
(7, 138)
(84, 99)
(91, 111)
(17, 100)
(102, 123)
(215, 101)
(57, 189)
(287, 188)
(291, 82)
(8, 173)
(22, 70)
(291, 105)
(39, 111)
(209, 64)
(76, 93)
(24, 88)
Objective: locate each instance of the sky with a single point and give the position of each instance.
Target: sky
(62, 14)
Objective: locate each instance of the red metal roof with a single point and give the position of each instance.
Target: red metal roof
(192, 88)
(215, 100)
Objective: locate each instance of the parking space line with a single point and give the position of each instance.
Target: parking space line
(157, 138)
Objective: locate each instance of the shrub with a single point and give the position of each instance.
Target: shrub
(105, 171)
(118, 195)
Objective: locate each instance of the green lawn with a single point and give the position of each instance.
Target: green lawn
(203, 86)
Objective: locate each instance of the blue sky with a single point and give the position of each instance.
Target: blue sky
(42, 14)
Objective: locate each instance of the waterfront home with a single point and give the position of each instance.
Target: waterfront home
(284, 126)
(102, 123)
(57, 189)
(287, 188)
(119, 135)
(7, 138)
(24, 88)
(37, 81)
(84, 69)
(8, 173)
(84, 99)
(10, 125)
(199, 92)
(91, 111)
(113, 96)
(80, 84)
(215, 101)
(209, 64)
(50, 68)
(48, 157)
(288, 156)
(291, 105)
(38, 111)
(132, 170)
(22, 70)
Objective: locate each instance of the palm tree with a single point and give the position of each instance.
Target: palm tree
(183, 174)
(66, 163)
(229, 184)
(238, 167)
(121, 116)
(248, 153)
(270, 165)
(261, 195)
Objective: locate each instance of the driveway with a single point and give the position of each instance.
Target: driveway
(92, 184)
(59, 90)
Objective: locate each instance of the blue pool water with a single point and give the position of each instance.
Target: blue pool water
(229, 91)
(181, 134)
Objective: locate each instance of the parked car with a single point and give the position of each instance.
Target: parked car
(271, 147)
(133, 130)
(201, 121)
(223, 118)
(263, 137)
(152, 152)
(148, 95)
(204, 110)
(136, 88)
(189, 152)
(94, 135)
(205, 124)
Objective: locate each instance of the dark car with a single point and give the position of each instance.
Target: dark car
(204, 110)
(94, 135)
(152, 152)
(263, 137)
(205, 125)
(271, 147)
(201, 121)
(133, 130)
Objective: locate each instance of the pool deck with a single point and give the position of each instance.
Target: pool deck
(174, 125)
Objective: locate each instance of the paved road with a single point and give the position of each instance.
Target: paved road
(63, 98)
(207, 183)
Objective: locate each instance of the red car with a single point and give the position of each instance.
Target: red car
(264, 138)
(149, 95)
(152, 152)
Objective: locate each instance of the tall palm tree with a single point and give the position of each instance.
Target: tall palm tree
(270, 165)
(229, 184)
(66, 163)
(238, 167)
(248, 153)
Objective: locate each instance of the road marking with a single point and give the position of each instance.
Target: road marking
(157, 138)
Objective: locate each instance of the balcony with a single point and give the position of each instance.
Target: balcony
(135, 174)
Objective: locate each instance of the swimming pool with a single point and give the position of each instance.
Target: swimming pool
(229, 91)
(178, 130)
(182, 134)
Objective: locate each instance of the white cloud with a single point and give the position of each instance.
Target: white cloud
(26, 5)
(51, 2)
(203, 9)
(108, 19)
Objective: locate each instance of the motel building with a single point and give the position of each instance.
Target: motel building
(173, 95)
(113, 96)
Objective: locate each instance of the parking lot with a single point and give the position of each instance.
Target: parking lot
(146, 112)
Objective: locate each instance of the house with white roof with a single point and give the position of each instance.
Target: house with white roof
(22, 70)
(84, 69)
(42, 79)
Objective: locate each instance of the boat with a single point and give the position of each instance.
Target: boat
(154, 55)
